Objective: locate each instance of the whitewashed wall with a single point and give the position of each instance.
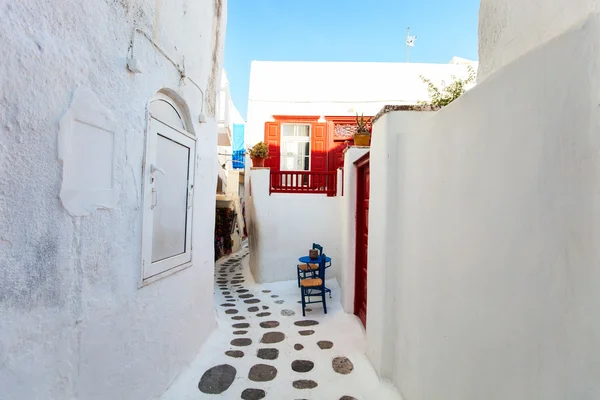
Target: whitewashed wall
(336, 88)
(283, 227)
(509, 29)
(73, 323)
(496, 223)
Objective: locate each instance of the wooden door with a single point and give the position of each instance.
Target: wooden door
(362, 239)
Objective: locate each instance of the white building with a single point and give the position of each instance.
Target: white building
(107, 185)
(338, 88)
(321, 100)
(229, 120)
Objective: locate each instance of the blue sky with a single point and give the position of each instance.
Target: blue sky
(344, 30)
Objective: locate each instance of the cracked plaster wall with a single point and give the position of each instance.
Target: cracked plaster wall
(73, 323)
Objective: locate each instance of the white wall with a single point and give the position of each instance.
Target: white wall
(336, 88)
(509, 29)
(495, 252)
(74, 324)
(283, 227)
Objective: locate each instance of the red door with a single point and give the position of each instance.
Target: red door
(362, 238)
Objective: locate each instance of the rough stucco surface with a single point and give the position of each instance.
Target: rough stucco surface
(73, 323)
(496, 222)
(509, 29)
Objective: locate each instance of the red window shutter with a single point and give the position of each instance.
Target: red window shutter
(318, 148)
(273, 140)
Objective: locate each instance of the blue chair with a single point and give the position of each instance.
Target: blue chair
(310, 268)
(305, 269)
(311, 287)
(317, 246)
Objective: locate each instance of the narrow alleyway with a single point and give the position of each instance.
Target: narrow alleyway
(264, 348)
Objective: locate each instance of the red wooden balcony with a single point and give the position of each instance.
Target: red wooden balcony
(304, 182)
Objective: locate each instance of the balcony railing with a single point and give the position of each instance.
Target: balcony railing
(304, 182)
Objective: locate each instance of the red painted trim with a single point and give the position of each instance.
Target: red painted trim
(361, 162)
(361, 267)
(296, 118)
(307, 182)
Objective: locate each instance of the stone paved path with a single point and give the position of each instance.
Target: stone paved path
(264, 348)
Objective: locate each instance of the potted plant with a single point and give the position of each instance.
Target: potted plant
(362, 137)
(258, 153)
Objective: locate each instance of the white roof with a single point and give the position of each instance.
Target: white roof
(350, 82)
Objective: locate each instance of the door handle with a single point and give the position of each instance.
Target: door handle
(154, 168)
(190, 196)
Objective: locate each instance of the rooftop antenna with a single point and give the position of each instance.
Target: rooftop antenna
(410, 42)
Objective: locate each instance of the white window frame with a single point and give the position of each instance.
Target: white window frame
(295, 139)
(151, 272)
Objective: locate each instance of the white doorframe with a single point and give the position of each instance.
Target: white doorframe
(152, 271)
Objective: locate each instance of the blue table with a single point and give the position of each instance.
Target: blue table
(308, 260)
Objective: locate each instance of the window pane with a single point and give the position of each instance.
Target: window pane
(303, 130)
(170, 213)
(295, 130)
(287, 130)
(306, 163)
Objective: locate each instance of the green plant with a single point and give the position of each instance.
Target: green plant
(259, 150)
(363, 126)
(441, 97)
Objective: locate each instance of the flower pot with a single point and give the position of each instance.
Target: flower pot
(313, 254)
(258, 162)
(362, 140)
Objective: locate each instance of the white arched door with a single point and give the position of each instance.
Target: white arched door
(168, 191)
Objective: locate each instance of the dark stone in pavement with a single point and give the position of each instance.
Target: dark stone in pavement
(307, 322)
(302, 384)
(217, 379)
(298, 346)
(263, 314)
(269, 324)
(235, 353)
(272, 337)
(302, 365)
(342, 365)
(241, 342)
(262, 373)
(267, 354)
(306, 333)
(253, 394)
(325, 344)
